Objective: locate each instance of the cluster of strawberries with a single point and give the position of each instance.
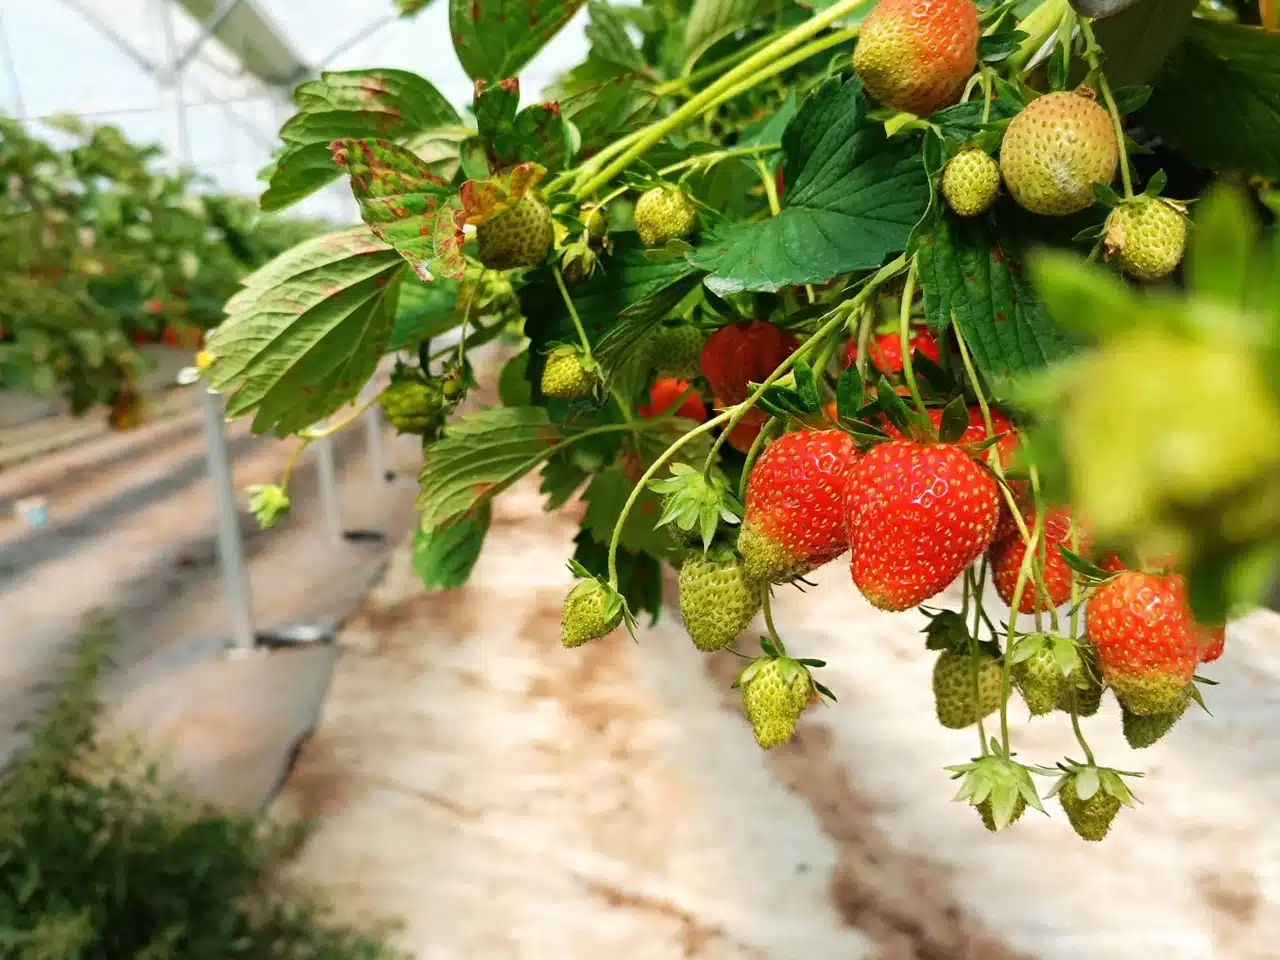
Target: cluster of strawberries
(914, 515)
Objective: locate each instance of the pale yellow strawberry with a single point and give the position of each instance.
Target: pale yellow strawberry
(971, 182)
(518, 237)
(664, 214)
(1055, 150)
(1146, 237)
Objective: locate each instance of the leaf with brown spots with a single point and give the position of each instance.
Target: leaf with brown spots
(405, 204)
(306, 331)
(483, 200)
(497, 38)
(479, 456)
(445, 557)
(972, 276)
(383, 104)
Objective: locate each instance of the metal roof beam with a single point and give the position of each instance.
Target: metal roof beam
(245, 30)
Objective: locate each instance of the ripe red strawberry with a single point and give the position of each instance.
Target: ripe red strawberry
(916, 55)
(1147, 641)
(1212, 642)
(795, 520)
(741, 353)
(976, 433)
(918, 515)
(886, 350)
(1006, 559)
(664, 393)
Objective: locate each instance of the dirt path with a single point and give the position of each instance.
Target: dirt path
(510, 799)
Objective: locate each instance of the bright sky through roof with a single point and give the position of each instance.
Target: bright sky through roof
(63, 62)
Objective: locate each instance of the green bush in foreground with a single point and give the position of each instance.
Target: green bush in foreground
(99, 859)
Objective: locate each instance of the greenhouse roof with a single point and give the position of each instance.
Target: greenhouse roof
(106, 61)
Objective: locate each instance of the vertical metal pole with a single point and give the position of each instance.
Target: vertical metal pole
(373, 435)
(235, 575)
(327, 475)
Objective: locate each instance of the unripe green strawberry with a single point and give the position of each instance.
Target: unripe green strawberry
(518, 237)
(957, 702)
(1091, 818)
(916, 55)
(1040, 680)
(663, 214)
(1086, 685)
(565, 376)
(412, 405)
(988, 815)
(596, 222)
(1141, 732)
(775, 692)
(971, 182)
(1146, 237)
(591, 611)
(717, 600)
(1055, 150)
(677, 352)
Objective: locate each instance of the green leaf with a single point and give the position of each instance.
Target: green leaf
(605, 497)
(1090, 571)
(426, 310)
(562, 477)
(639, 574)
(538, 133)
(610, 42)
(713, 20)
(974, 276)
(1137, 41)
(771, 128)
(618, 306)
(306, 331)
(513, 383)
(807, 387)
(1218, 99)
(1225, 238)
(479, 456)
(1131, 99)
(849, 393)
(387, 104)
(599, 112)
(853, 197)
(405, 204)
(1086, 297)
(445, 557)
(955, 421)
(495, 39)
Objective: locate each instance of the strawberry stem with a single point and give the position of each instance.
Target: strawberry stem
(974, 586)
(573, 311)
(1024, 576)
(756, 446)
(768, 622)
(993, 458)
(649, 475)
(1075, 725)
(466, 318)
(904, 331)
(1092, 53)
(761, 65)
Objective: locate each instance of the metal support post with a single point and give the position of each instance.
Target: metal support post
(327, 475)
(235, 574)
(373, 436)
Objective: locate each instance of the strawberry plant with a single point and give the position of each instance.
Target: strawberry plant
(101, 253)
(983, 295)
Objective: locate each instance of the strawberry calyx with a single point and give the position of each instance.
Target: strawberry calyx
(696, 504)
(998, 787)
